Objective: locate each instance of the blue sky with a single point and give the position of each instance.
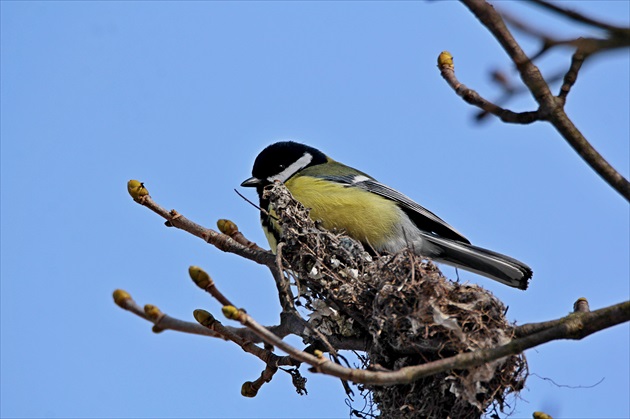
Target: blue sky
(184, 95)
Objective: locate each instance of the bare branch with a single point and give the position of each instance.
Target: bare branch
(619, 38)
(509, 90)
(578, 17)
(551, 108)
(570, 78)
(231, 229)
(581, 305)
(530, 74)
(447, 70)
(220, 241)
(203, 281)
(272, 361)
(574, 326)
(580, 144)
(584, 48)
(208, 321)
(162, 322)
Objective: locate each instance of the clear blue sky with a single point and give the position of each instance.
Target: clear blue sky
(184, 95)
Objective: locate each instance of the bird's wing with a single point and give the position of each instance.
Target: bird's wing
(423, 218)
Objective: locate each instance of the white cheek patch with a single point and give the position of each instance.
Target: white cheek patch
(295, 167)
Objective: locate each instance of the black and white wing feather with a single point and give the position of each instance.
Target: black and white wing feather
(424, 219)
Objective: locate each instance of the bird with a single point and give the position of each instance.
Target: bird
(381, 218)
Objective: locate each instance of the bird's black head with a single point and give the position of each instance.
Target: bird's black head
(281, 160)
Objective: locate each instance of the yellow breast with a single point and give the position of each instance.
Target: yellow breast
(363, 215)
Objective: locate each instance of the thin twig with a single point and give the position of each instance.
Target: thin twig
(230, 228)
(208, 321)
(510, 91)
(124, 301)
(283, 285)
(166, 322)
(220, 241)
(272, 361)
(447, 70)
(578, 17)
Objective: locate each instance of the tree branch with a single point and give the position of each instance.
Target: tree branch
(162, 322)
(447, 70)
(551, 108)
(578, 17)
(529, 73)
(221, 241)
(574, 326)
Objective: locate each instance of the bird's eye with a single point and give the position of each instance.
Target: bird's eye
(282, 166)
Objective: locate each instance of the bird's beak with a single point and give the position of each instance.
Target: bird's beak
(251, 182)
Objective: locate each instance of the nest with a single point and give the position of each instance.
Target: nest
(407, 312)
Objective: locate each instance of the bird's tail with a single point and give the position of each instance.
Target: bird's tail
(481, 261)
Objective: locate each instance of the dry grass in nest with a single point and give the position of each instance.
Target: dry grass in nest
(408, 312)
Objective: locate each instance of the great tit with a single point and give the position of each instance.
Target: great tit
(381, 218)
